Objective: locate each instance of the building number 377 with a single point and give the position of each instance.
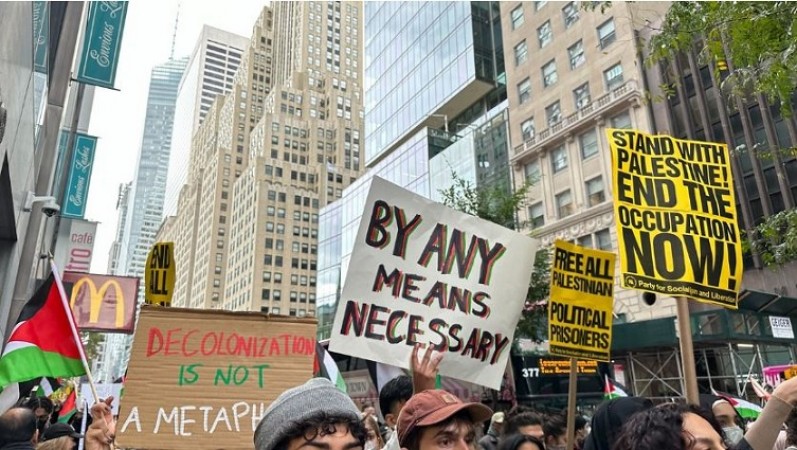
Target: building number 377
(533, 372)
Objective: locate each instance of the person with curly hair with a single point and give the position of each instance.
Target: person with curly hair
(313, 415)
(671, 426)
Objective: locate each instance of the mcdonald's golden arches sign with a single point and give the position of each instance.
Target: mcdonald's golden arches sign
(102, 302)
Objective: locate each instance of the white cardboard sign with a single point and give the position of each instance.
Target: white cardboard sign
(423, 273)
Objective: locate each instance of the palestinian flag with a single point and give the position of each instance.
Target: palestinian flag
(43, 343)
(612, 390)
(68, 408)
(748, 410)
(325, 366)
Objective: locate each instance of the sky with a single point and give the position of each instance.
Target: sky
(117, 117)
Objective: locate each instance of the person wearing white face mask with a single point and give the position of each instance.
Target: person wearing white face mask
(374, 438)
(726, 416)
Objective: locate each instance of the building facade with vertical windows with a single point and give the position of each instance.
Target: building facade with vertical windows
(209, 73)
(303, 153)
(435, 103)
(572, 73)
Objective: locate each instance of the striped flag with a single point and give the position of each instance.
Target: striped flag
(746, 409)
(68, 408)
(326, 367)
(611, 390)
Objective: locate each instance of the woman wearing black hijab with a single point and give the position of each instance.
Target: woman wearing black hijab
(609, 419)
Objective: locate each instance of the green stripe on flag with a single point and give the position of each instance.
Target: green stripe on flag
(31, 362)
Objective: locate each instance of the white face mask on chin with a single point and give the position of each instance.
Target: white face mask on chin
(733, 434)
(370, 445)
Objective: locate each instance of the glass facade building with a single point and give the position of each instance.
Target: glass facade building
(420, 58)
(434, 94)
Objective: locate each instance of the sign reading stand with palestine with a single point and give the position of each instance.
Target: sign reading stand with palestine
(580, 307)
(675, 208)
(204, 379)
(159, 274)
(423, 273)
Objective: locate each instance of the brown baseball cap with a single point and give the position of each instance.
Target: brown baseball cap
(432, 407)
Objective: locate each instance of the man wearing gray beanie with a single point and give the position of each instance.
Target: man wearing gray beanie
(316, 415)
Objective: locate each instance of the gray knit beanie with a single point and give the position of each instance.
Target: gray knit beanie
(298, 404)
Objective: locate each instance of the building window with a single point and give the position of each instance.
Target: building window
(588, 143)
(521, 53)
(527, 128)
(622, 121)
(524, 90)
(606, 33)
(570, 13)
(536, 215)
(553, 113)
(532, 171)
(603, 239)
(539, 4)
(585, 241)
(265, 294)
(549, 75)
(613, 77)
(581, 96)
(517, 17)
(544, 34)
(576, 53)
(559, 159)
(595, 192)
(564, 204)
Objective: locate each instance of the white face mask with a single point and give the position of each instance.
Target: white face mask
(370, 445)
(733, 434)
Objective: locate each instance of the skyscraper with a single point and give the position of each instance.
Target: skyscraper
(145, 209)
(304, 151)
(435, 102)
(122, 205)
(209, 73)
(219, 152)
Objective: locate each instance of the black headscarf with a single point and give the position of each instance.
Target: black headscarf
(609, 419)
(707, 402)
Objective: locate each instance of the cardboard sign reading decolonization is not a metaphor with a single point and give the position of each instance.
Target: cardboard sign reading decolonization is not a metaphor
(423, 273)
(203, 379)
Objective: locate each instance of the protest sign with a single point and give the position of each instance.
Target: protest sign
(159, 274)
(198, 378)
(104, 390)
(423, 273)
(580, 307)
(675, 208)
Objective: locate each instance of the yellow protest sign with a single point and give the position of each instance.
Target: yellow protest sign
(790, 373)
(159, 274)
(580, 307)
(675, 208)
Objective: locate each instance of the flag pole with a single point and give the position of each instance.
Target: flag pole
(72, 326)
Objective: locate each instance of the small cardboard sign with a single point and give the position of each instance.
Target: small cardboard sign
(201, 378)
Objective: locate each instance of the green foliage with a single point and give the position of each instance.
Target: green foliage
(92, 341)
(775, 239)
(498, 204)
(759, 39)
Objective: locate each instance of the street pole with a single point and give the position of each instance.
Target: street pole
(687, 351)
(571, 404)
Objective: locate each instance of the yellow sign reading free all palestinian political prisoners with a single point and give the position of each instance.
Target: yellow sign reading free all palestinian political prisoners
(675, 208)
(159, 274)
(580, 307)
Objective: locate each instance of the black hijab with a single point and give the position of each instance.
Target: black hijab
(609, 419)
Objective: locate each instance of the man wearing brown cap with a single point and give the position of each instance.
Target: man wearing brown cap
(437, 419)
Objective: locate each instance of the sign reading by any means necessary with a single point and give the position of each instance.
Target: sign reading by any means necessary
(422, 273)
(580, 307)
(675, 208)
(203, 379)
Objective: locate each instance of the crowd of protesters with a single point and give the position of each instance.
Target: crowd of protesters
(416, 416)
